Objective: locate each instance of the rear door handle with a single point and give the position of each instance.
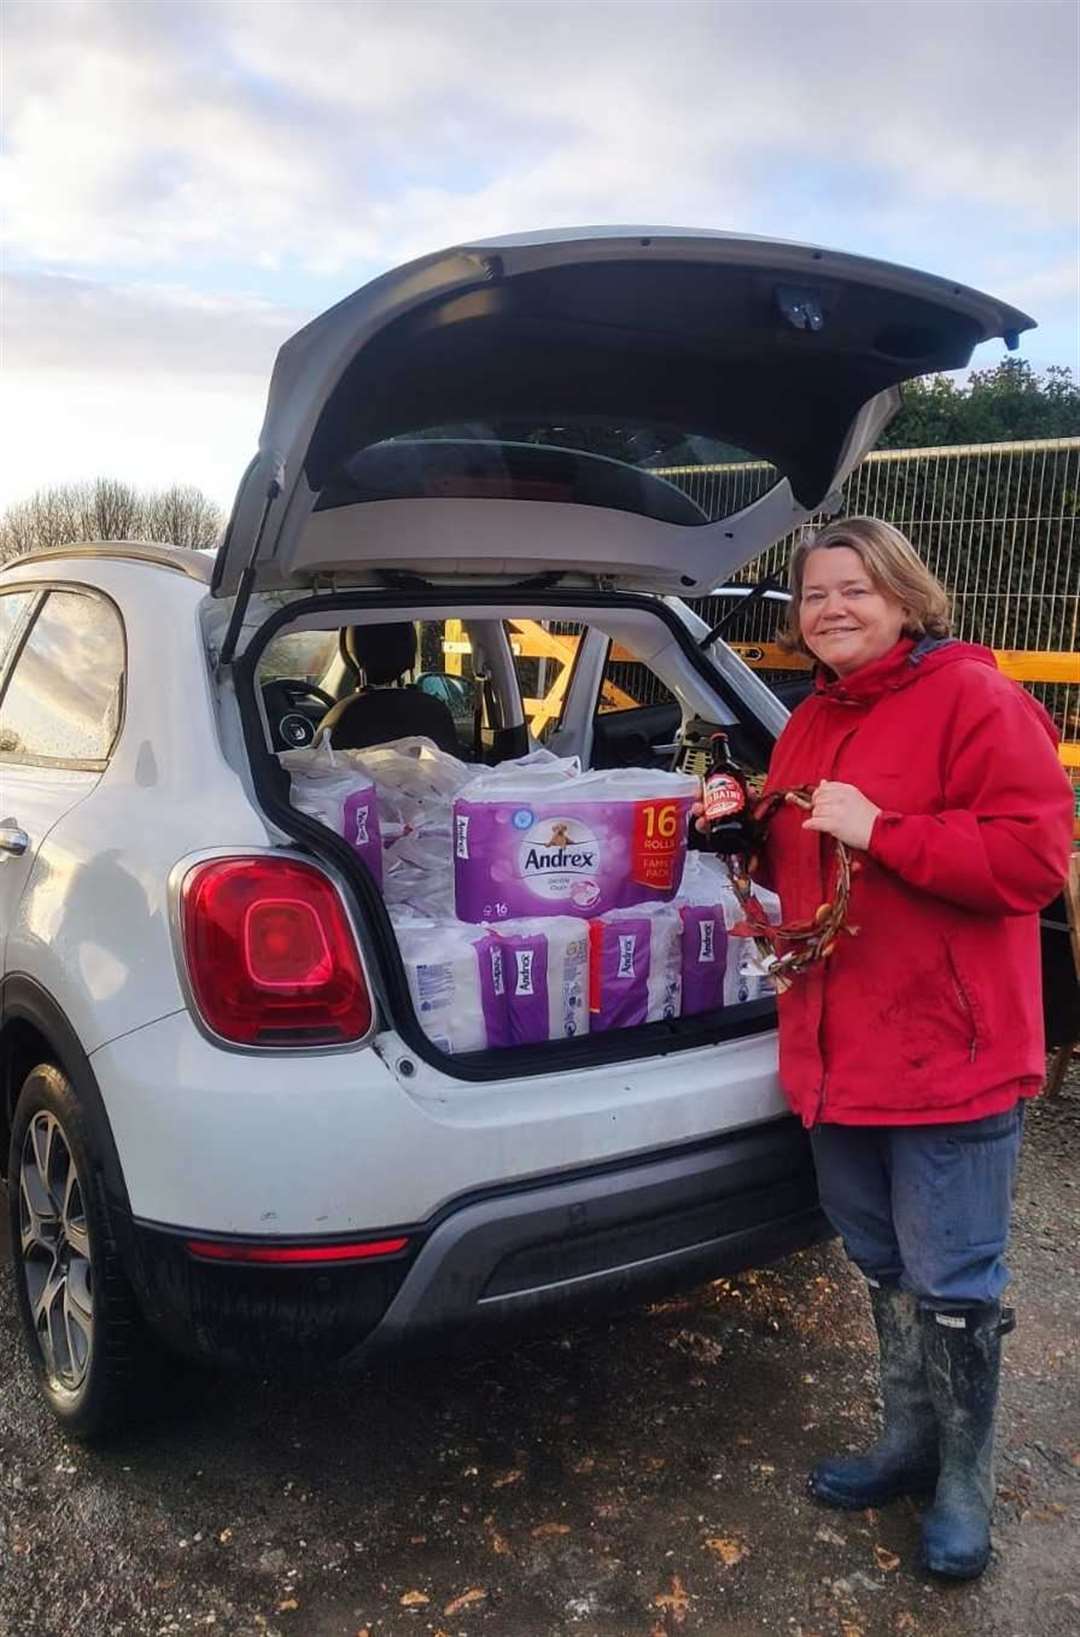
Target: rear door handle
(12, 839)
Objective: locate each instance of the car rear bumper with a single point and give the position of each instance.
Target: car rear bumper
(549, 1252)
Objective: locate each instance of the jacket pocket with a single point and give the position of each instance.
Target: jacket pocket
(966, 1001)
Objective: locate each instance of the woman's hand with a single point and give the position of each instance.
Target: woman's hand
(842, 811)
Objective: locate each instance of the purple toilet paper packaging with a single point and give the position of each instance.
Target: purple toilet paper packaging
(704, 957)
(476, 989)
(635, 966)
(545, 966)
(533, 846)
(339, 796)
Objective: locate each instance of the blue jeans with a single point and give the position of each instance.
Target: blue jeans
(927, 1205)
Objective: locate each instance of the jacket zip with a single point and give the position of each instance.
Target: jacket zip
(966, 1007)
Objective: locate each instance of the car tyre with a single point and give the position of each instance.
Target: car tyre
(83, 1329)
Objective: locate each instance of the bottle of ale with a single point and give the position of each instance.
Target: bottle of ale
(727, 801)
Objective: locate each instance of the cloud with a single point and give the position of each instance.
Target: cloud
(56, 321)
(149, 384)
(186, 182)
(344, 135)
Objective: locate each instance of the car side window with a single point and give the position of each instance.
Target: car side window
(64, 697)
(544, 653)
(14, 607)
(629, 685)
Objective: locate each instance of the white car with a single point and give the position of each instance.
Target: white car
(226, 1126)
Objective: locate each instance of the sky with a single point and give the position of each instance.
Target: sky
(186, 182)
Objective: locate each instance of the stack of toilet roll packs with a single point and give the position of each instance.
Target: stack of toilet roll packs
(533, 902)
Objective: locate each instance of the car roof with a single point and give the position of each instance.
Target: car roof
(197, 565)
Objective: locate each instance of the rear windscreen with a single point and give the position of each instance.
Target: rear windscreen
(662, 472)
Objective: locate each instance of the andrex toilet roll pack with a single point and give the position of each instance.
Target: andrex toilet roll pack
(526, 845)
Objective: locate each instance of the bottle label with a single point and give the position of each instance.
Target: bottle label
(723, 796)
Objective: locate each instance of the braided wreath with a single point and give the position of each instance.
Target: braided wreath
(789, 947)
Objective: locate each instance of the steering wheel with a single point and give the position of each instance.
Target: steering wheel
(292, 727)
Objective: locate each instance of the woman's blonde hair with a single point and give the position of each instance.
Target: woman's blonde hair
(892, 564)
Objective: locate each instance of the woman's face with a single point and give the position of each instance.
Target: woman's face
(845, 620)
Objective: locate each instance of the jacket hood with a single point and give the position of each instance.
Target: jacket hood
(908, 662)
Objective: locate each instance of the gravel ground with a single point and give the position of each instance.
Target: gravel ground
(643, 1479)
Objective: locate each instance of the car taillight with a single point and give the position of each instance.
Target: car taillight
(271, 958)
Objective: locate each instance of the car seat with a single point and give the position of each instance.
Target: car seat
(383, 709)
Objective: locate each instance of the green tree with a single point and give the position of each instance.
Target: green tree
(996, 405)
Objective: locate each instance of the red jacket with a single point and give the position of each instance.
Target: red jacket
(934, 1012)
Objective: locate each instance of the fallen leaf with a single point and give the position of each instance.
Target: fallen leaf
(848, 1628)
(417, 1540)
(676, 1602)
(584, 1466)
(830, 1536)
(414, 1600)
(475, 1594)
(885, 1559)
(365, 1631)
(513, 1477)
(289, 1603)
(905, 1624)
(225, 1536)
(499, 1544)
(654, 1463)
(543, 1529)
(729, 1552)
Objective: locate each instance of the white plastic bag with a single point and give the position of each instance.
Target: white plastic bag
(343, 797)
(415, 783)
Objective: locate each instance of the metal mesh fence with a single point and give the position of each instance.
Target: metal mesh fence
(997, 524)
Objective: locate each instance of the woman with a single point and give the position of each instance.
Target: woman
(909, 1052)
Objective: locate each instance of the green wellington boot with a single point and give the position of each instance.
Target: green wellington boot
(904, 1461)
(963, 1363)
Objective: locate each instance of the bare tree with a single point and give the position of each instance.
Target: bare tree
(183, 516)
(109, 510)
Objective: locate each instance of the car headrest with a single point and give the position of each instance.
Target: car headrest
(382, 652)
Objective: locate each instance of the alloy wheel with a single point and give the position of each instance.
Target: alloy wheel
(55, 1247)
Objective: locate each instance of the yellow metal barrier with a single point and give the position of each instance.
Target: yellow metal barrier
(532, 641)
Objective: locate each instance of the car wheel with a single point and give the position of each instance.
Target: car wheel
(75, 1304)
